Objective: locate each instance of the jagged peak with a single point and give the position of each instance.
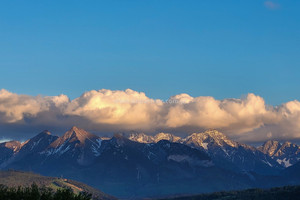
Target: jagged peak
(271, 142)
(78, 133)
(211, 134)
(166, 136)
(144, 138)
(141, 137)
(198, 138)
(72, 135)
(138, 135)
(44, 133)
(270, 147)
(162, 134)
(287, 144)
(11, 144)
(74, 128)
(214, 132)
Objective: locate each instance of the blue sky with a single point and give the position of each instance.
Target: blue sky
(223, 49)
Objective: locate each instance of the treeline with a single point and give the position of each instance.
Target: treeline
(40, 193)
(279, 193)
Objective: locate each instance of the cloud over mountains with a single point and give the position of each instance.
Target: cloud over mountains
(247, 119)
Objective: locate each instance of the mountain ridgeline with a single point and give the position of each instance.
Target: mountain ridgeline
(152, 166)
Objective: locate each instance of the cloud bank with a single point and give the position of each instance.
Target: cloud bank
(246, 119)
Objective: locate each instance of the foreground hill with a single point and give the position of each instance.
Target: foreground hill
(26, 179)
(278, 193)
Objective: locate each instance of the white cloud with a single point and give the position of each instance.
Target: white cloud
(14, 107)
(248, 119)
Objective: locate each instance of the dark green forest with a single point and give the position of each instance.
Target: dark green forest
(279, 193)
(40, 193)
(35, 192)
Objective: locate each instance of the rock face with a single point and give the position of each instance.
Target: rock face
(7, 150)
(286, 154)
(270, 147)
(223, 151)
(76, 145)
(143, 138)
(147, 166)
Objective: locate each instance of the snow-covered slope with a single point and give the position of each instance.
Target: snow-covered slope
(37, 143)
(286, 154)
(224, 151)
(231, 154)
(75, 143)
(143, 138)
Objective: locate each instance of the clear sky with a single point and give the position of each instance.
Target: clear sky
(223, 49)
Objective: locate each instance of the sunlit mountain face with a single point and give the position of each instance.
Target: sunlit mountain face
(139, 165)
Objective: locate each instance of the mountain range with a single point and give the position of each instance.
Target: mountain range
(141, 165)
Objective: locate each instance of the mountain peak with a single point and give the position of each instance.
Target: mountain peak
(271, 142)
(76, 133)
(45, 132)
(288, 144)
(270, 147)
(73, 135)
(214, 132)
(77, 130)
(74, 128)
(166, 136)
(13, 145)
(37, 142)
(209, 136)
(141, 137)
(44, 135)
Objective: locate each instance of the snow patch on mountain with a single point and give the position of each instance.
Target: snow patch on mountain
(96, 147)
(286, 154)
(285, 162)
(143, 138)
(61, 149)
(204, 145)
(35, 143)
